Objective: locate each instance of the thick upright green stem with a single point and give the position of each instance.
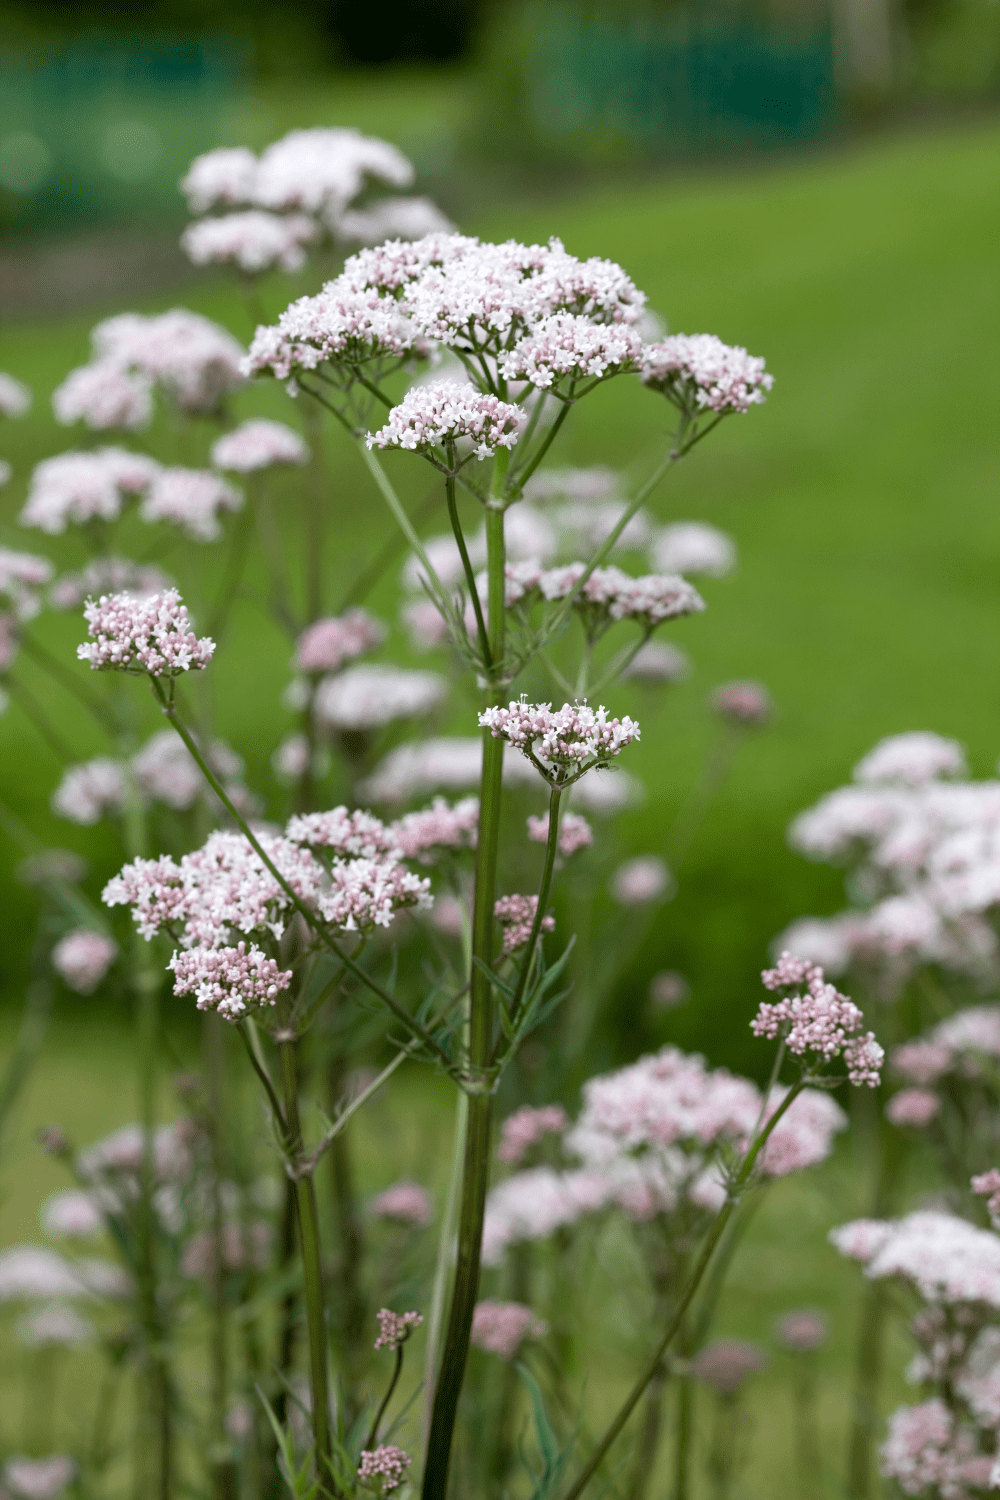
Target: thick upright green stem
(315, 512)
(221, 1459)
(476, 1167)
(544, 890)
(445, 1262)
(312, 1269)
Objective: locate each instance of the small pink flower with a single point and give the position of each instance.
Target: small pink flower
(913, 1107)
(442, 412)
(405, 1202)
(384, 1469)
(395, 1328)
(82, 958)
(327, 644)
(526, 1127)
(516, 915)
(699, 372)
(502, 1327)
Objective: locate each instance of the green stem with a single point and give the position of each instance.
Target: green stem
(394, 503)
(551, 850)
(477, 1147)
(232, 577)
(715, 1233)
(397, 1371)
(456, 526)
(445, 1260)
(545, 445)
(312, 1269)
(315, 514)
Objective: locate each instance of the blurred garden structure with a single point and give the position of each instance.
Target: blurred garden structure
(98, 118)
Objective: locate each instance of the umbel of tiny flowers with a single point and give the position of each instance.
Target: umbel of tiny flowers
(151, 635)
(394, 1330)
(564, 743)
(384, 1469)
(444, 415)
(818, 1024)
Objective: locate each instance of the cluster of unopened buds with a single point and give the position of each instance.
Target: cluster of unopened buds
(396, 1328)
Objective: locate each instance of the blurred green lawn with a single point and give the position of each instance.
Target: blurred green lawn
(863, 498)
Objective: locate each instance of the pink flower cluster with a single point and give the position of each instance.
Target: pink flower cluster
(150, 635)
(162, 771)
(929, 1451)
(223, 892)
(611, 594)
(952, 1046)
(819, 1024)
(15, 396)
(254, 241)
(22, 574)
(572, 738)
(641, 880)
(912, 1107)
(987, 1185)
(107, 575)
(946, 1259)
(803, 1330)
(699, 372)
(474, 297)
(438, 827)
(742, 703)
(383, 1469)
(406, 1202)
(395, 1328)
(692, 547)
(575, 832)
(82, 958)
(526, 1127)
(229, 980)
(727, 1364)
(190, 499)
(443, 412)
(318, 171)
(258, 444)
(502, 1327)
(325, 645)
(367, 697)
(343, 834)
(86, 486)
(516, 915)
(194, 361)
(567, 347)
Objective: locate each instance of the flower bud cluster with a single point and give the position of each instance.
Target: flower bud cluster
(143, 635)
(819, 1024)
(384, 1468)
(516, 915)
(229, 980)
(396, 1328)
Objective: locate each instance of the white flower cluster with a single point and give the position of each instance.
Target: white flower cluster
(572, 738)
(298, 191)
(431, 417)
(926, 844)
(193, 361)
(699, 372)
(645, 1142)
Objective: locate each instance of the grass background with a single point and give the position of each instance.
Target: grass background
(863, 498)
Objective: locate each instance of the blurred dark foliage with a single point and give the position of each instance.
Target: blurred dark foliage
(283, 33)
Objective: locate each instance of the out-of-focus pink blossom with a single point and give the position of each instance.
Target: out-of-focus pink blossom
(107, 575)
(575, 832)
(194, 361)
(912, 759)
(391, 219)
(928, 1451)
(72, 1214)
(259, 444)
(82, 958)
(223, 178)
(405, 1202)
(502, 1327)
(641, 880)
(692, 547)
(38, 1478)
(242, 1247)
(742, 703)
(727, 1364)
(987, 1185)
(369, 697)
(802, 1330)
(191, 499)
(657, 661)
(325, 645)
(15, 396)
(254, 240)
(103, 395)
(913, 1107)
(526, 1127)
(438, 827)
(668, 989)
(80, 487)
(946, 1259)
(88, 791)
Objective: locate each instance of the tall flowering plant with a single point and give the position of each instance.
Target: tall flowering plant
(471, 357)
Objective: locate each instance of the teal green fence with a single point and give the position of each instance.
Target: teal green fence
(670, 79)
(99, 132)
